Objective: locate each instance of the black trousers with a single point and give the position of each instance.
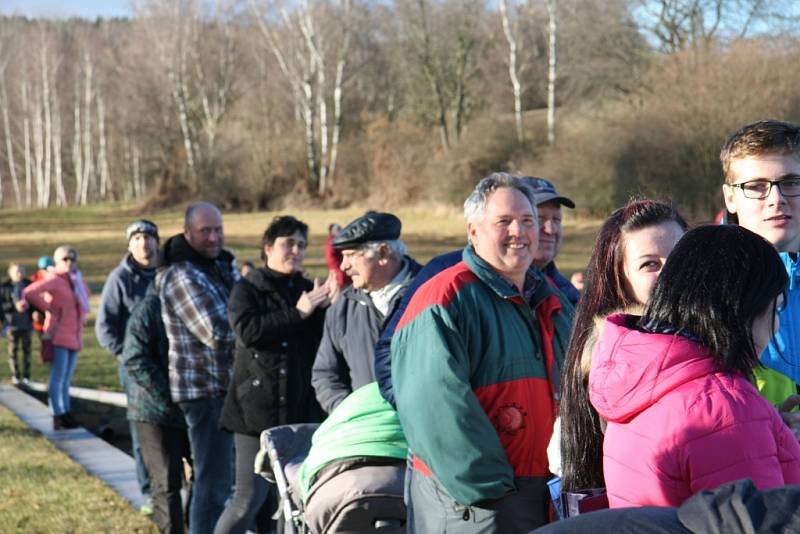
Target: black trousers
(163, 447)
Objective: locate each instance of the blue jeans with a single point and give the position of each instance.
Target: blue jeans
(141, 471)
(212, 456)
(251, 493)
(61, 370)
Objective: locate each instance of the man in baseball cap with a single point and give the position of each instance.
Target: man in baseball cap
(548, 207)
(124, 288)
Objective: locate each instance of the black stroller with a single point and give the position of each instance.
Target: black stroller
(355, 495)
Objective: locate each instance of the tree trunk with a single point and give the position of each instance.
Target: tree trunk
(12, 168)
(551, 74)
(341, 63)
(89, 176)
(77, 155)
(38, 149)
(516, 86)
(61, 194)
(48, 127)
(102, 160)
(26, 127)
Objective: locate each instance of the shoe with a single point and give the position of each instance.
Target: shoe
(69, 421)
(147, 507)
(62, 422)
(26, 381)
(14, 380)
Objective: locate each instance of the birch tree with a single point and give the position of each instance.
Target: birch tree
(12, 168)
(303, 53)
(551, 71)
(513, 38)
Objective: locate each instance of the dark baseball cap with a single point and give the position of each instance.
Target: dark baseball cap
(544, 191)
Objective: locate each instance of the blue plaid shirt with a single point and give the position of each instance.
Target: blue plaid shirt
(194, 307)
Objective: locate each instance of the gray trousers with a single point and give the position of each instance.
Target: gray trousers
(432, 510)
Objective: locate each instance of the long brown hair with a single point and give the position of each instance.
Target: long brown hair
(581, 433)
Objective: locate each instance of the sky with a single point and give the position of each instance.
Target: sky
(89, 9)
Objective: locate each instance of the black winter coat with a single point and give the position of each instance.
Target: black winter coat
(275, 350)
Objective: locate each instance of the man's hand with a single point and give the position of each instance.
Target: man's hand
(311, 300)
(21, 305)
(792, 419)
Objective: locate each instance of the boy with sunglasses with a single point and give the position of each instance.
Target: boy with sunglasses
(761, 162)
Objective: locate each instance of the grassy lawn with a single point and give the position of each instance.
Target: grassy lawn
(98, 232)
(43, 490)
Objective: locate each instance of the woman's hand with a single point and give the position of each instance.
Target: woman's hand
(311, 300)
(792, 419)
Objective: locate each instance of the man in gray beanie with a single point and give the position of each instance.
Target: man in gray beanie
(124, 288)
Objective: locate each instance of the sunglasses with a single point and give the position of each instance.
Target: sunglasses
(69, 258)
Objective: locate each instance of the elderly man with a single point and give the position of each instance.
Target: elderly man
(124, 289)
(482, 343)
(194, 306)
(548, 207)
(373, 256)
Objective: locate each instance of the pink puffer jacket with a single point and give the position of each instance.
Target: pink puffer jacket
(65, 318)
(677, 424)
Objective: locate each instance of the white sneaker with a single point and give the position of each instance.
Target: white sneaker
(15, 380)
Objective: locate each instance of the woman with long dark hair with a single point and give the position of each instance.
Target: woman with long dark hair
(277, 315)
(674, 384)
(626, 260)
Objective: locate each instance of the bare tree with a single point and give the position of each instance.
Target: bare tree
(680, 24)
(511, 32)
(303, 53)
(12, 168)
(551, 71)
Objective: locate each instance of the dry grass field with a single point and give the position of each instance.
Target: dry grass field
(98, 232)
(42, 490)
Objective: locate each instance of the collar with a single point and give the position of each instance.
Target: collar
(383, 297)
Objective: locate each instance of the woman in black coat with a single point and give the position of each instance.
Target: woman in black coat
(277, 316)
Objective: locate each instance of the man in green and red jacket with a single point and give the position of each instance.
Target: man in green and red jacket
(475, 363)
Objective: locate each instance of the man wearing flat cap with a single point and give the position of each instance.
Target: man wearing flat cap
(374, 257)
(124, 288)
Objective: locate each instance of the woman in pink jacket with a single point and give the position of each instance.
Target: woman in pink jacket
(65, 297)
(674, 384)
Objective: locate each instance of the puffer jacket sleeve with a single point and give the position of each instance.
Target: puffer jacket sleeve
(256, 327)
(109, 326)
(755, 445)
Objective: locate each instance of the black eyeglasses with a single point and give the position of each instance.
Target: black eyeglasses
(760, 189)
(69, 258)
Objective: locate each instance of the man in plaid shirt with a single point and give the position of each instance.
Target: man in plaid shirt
(194, 305)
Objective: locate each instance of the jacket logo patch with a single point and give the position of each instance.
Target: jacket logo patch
(509, 418)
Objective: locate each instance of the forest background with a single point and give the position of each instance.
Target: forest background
(259, 104)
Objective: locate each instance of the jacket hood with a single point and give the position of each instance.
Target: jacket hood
(631, 370)
(130, 265)
(177, 249)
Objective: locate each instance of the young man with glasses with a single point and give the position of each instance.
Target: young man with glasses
(761, 162)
